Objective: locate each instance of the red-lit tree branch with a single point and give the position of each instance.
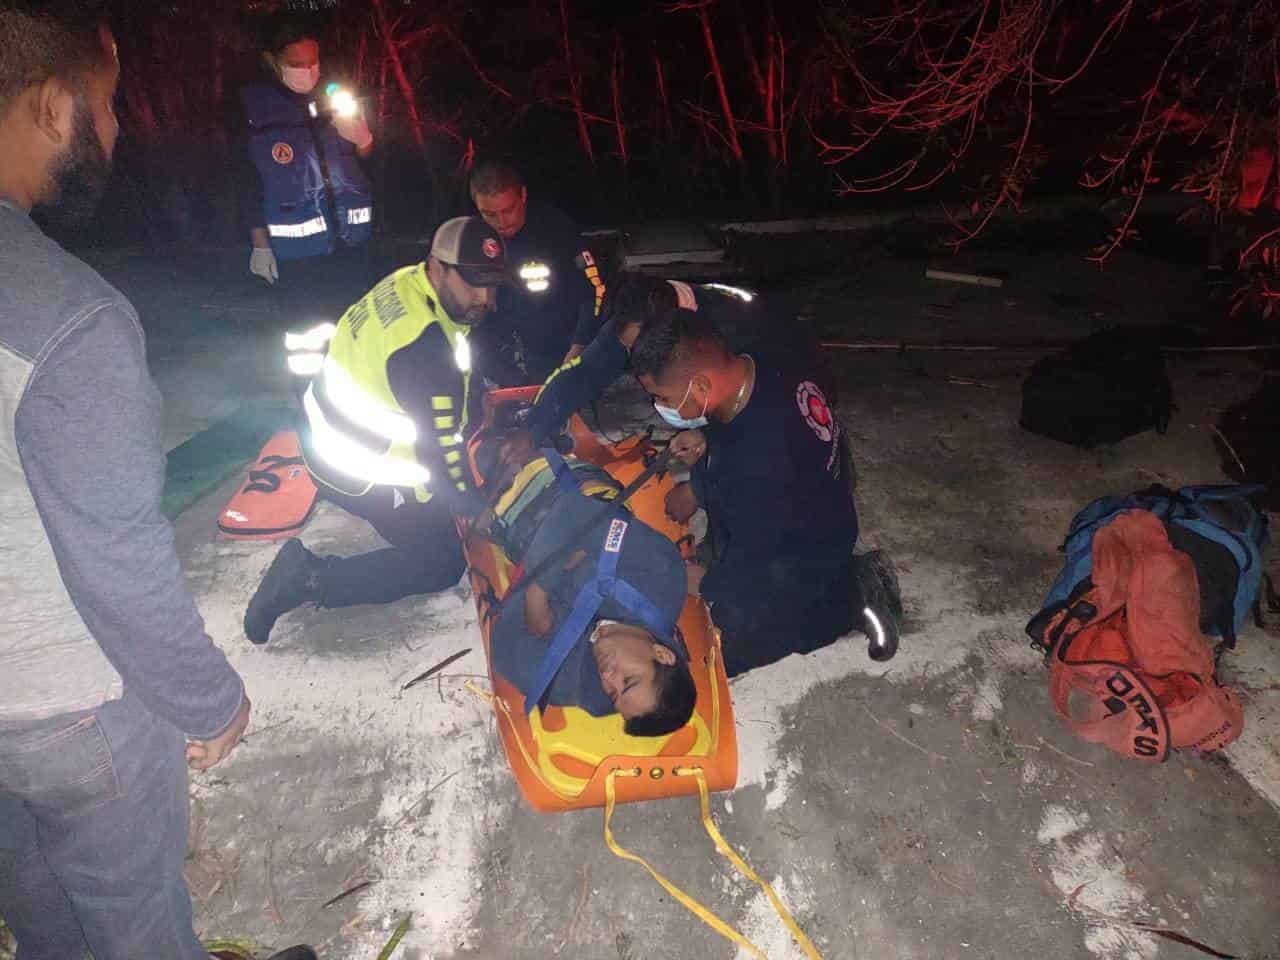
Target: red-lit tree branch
(730, 135)
(575, 90)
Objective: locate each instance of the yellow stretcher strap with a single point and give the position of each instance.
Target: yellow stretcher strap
(742, 866)
(688, 902)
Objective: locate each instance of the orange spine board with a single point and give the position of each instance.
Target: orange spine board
(562, 759)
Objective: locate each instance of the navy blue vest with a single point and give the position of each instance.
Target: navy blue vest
(293, 151)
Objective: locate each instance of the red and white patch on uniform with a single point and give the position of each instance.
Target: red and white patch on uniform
(814, 409)
(282, 153)
(491, 248)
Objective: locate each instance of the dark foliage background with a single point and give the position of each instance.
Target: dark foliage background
(738, 109)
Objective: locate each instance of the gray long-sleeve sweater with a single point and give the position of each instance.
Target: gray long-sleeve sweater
(91, 594)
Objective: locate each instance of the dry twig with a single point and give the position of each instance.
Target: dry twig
(1230, 449)
(573, 921)
(894, 733)
(1049, 746)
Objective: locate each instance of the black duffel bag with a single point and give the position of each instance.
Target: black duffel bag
(1099, 390)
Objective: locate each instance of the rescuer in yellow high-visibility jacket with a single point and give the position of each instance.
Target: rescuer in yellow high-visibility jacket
(386, 412)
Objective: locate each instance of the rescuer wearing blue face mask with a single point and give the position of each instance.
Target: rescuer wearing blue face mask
(750, 395)
(600, 374)
(305, 201)
(770, 465)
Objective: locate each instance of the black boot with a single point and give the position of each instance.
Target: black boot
(882, 603)
(292, 580)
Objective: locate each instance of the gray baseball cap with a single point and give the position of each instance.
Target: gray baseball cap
(472, 247)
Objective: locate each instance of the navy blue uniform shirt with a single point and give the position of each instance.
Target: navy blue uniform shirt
(751, 326)
(546, 319)
(775, 481)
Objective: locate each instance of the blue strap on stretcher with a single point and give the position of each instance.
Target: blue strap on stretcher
(602, 586)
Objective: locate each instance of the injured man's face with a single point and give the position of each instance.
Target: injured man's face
(633, 667)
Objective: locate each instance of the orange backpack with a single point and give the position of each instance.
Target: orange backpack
(1128, 665)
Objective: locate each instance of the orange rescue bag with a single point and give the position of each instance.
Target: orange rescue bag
(1128, 665)
(277, 497)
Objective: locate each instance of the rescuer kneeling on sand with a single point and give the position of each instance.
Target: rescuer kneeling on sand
(769, 464)
(387, 411)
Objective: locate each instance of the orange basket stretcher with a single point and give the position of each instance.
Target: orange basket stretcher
(563, 756)
(566, 759)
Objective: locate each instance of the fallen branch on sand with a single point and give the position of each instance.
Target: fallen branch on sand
(417, 803)
(1151, 928)
(432, 671)
(894, 733)
(349, 892)
(1231, 450)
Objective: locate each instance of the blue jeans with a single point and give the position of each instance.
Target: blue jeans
(93, 834)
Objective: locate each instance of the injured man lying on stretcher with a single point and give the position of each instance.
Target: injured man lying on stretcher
(598, 629)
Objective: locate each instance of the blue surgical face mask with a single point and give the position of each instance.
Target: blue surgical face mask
(672, 414)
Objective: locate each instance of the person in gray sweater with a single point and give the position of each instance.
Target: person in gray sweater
(109, 685)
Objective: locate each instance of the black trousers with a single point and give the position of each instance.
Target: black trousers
(320, 289)
(789, 604)
(425, 555)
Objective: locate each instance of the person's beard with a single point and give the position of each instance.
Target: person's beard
(79, 175)
(468, 317)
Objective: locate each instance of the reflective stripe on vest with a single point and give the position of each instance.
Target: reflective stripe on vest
(308, 229)
(305, 364)
(340, 452)
(306, 348)
(354, 405)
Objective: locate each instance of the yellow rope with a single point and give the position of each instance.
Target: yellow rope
(690, 904)
(741, 865)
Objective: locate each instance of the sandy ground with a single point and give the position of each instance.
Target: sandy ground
(932, 807)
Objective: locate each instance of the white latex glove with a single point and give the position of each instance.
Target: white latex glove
(262, 263)
(354, 129)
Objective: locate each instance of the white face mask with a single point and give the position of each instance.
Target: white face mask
(672, 414)
(301, 79)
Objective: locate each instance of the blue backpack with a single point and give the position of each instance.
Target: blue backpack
(1216, 524)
